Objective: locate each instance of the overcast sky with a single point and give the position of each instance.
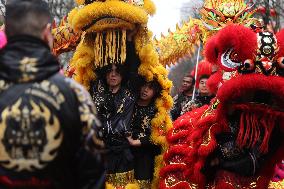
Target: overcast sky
(167, 15)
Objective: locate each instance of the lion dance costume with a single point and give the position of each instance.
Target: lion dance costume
(237, 140)
(99, 31)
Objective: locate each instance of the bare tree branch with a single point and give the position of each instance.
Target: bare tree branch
(2, 7)
(276, 21)
(60, 8)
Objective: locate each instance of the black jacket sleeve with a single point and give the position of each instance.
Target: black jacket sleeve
(246, 165)
(241, 161)
(89, 160)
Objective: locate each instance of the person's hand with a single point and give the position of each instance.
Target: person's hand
(187, 107)
(133, 142)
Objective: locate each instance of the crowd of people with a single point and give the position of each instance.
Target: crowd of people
(186, 101)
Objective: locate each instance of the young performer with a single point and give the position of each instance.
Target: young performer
(143, 149)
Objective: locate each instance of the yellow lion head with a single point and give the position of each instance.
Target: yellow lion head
(109, 31)
(100, 15)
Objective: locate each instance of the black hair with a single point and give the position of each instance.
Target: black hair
(204, 77)
(26, 17)
(154, 84)
(102, 72)
(192, 77)
(119, 68)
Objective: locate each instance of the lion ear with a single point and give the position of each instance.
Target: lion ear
(241, 39)
(211, 50)
(150, 7)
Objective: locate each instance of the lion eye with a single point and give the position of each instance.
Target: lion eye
(280, 62)
(248, 64)
(229, 60)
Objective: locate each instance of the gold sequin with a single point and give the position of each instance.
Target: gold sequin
(276, 185)
(144, 184)
(120, 179)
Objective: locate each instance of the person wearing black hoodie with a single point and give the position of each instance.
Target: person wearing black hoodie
(46, 120)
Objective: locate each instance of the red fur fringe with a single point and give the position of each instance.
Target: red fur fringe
(178, 137)
(172, 169)
(180, 150)
(245, 84)
(211, 50)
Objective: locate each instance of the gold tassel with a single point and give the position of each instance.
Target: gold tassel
(108, 46)
(113, 53)
(118, 45)
(110, 33)
(97, 49)
(123, 47)
(102, 50)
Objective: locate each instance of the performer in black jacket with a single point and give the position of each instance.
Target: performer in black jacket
(115, 106)
(45, 118)
(143, 149)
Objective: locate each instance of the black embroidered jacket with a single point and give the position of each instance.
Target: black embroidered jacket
(45, 120)
(180, 101)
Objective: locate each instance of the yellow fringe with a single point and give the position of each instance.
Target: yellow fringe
(82, 61)
(117, 9)
(109, 186)
(158, 165)
(149, 6)
(71, 15)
